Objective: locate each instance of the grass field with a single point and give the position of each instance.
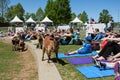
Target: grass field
(9, 66)
(16, 65)
(68, 71)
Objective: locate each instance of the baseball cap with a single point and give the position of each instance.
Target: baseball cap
(89, 38)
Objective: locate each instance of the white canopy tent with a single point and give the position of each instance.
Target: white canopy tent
(30, 20)
(46, 19)
(85, 23)
(15, 19)
(76, 20)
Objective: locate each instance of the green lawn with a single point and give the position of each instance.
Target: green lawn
(68, 71)
(9, 65)
(4, 29)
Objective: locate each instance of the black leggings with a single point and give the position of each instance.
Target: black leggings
(110, 47)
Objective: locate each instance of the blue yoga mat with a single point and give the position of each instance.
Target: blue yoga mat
(61, 55)
(95, 72)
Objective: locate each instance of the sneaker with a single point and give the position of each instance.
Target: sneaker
(103, 65)
(96, 62)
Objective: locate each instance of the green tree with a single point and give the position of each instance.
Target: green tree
(3, 7)
(105, 16)
(26, 16)
(73, 15)
(39, 14)
(15, 10)
(33, 16)
(59, 11)
(63, 11)
(50, 10)
(83, 17)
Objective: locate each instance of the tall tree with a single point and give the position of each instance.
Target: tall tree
(49, 10)
(21, 11)
(39, 14)
(63, 11)
(33, 16)
(59, 11)
(26, 16)
(83, 17)
(3, 7)
(15, 10)
(105, 16)
(73, 15)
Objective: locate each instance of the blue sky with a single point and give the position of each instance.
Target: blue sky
(92, 7)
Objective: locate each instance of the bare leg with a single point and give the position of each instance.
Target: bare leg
(73, 52)
(101, 58)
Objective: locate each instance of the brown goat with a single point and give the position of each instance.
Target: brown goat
(50, 45)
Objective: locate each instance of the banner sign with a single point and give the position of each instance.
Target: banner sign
(91, 27)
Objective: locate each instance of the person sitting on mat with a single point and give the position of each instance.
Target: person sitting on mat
(112, 47)
(115, 64)
(86, 47)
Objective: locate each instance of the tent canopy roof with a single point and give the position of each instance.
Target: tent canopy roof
(76, 20)
(46, 19)
(16, 19)
(30, 20)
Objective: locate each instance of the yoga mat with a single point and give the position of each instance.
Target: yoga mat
(61, 55)
(76, 61)
(95, 72)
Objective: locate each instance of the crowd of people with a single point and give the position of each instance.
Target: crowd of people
(110, 51)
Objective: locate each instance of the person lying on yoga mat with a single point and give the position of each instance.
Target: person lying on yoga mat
(86, 47)
(112, 47)
(115, 64)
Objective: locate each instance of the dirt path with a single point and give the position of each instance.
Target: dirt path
(46, 71)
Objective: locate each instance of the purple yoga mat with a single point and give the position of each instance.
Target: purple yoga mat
(76, 61)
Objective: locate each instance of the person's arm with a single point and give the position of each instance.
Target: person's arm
(68, 35)
(117, 55)
(114, 39)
